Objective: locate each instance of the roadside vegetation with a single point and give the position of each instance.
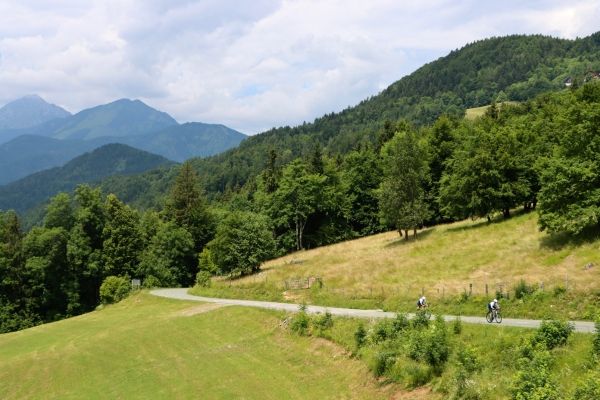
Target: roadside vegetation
(452, 361)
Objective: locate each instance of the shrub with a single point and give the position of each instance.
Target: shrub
(596, 339)
(203, 279)
(400, 323)
(416, 374)
(559, 291)
(323, 322)
(523, 289)
(589, 389)
(382, 362)
(360, 336)
(466, 357)
(421, 319)
(382, 331)
(300, 322)
(431, 346)
(114, 289)
(457, 326)
(205, 262)
(553, 333)
(532, 380)
(151, 282)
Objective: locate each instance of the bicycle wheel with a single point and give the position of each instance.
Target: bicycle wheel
(489, 317)
(427, 314)
(498, 318)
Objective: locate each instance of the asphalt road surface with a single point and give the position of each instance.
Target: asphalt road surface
(181, 294)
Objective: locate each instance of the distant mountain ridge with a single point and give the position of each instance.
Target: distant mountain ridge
(29, 111)
(105, 161)
(130, 122)
(121, 118)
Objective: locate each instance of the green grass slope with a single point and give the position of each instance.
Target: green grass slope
(147, 347)
(386, 271)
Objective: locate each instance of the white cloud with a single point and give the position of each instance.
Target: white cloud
(250, 65)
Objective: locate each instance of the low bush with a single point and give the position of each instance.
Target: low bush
(323, 322)
(400, 323)
(415, 374)
(553, 334)
(522, 289)
(114, 289)
(589, 388)
(457, 326)
(360, 336)
(203, 279)
(596, 339)
(382, 362)
(300, 322)
(533, 380)
(382, 331)
(421, 319)
(466, 357)
(151, 282)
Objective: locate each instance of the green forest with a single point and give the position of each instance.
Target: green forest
(401, 160)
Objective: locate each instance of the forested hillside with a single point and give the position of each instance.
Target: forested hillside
(507, 68)
(111, 159)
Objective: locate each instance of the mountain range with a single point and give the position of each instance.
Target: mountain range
(54, 141)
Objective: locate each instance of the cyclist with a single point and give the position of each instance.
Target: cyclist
(422, 302)
(494, 305)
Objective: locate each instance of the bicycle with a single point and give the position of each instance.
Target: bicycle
(493, 315)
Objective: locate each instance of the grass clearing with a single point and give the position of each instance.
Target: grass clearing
(149, 347)
(451, 264)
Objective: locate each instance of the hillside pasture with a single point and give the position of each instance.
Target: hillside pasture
(451, 264)
(147, 347)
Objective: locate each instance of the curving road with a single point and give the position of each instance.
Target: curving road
(182, 294)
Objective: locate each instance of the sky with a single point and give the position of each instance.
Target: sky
(249, 64)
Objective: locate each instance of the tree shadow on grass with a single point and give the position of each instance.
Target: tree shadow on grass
(401, 241)
(498, 218)
(558, 241)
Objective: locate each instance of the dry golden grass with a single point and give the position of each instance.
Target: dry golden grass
(444, 260)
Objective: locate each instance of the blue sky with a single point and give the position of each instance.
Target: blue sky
(253, 64)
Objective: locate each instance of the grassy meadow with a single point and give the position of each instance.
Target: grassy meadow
(451, 264)
(148, 347)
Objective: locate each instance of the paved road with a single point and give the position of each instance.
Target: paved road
(181, 294)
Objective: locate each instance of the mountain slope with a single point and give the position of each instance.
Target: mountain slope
(28, 154)
(520, 67)
(29, 111)
(111, 159)
(192, 139)
(118, 119)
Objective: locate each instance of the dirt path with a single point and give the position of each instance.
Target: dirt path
(182, 294)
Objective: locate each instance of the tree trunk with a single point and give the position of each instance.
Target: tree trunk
(406, 234)
(415, 232)
(506, 213)
(298, 240)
